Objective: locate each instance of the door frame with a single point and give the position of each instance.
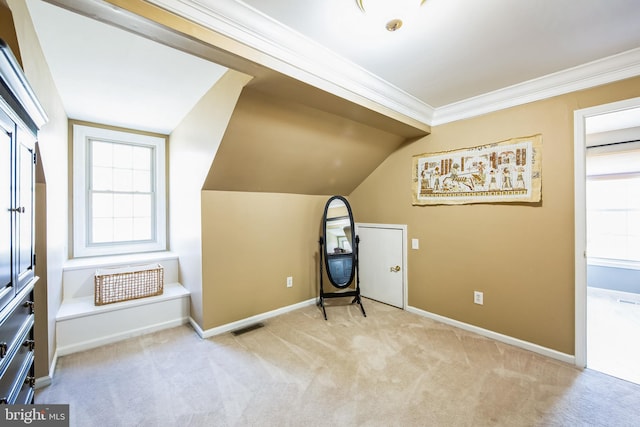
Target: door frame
(580, 220)
(405, 276)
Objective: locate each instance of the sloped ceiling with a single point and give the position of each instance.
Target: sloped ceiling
(275, 145)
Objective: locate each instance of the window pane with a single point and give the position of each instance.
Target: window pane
(123, 156)
(122, 229)
(634, 249)
(613, 218)
(633, 193)
(141, 181)
(142, 157)
(122, 180)
(123, 205)
(102, 230)
(142, 206)
(102, 179)
(102, 206)
(633, 219)
(607, 194)
(142, 229)
(101, 153)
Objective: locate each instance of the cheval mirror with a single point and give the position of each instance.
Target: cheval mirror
(339, 253)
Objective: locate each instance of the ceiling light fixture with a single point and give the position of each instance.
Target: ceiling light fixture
(391, 12)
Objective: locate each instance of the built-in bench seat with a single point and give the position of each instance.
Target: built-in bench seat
(81, 325)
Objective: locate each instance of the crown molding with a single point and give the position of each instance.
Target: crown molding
(287, 51)
(599, 72)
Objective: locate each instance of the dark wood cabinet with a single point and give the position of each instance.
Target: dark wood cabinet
(20, 118)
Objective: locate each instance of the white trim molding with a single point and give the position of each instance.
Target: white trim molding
(405, 255)
(293, 54)
(82, 136)
(46, 380)
(248, 321)
(580, 217)
(602, 71)
(266, 41)
(526, 345)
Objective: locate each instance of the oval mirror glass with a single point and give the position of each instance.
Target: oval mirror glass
(339, 243)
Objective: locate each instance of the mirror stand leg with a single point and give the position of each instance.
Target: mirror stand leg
(359, 301)
(321, 304)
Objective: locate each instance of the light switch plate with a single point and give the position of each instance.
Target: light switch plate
(415, 244)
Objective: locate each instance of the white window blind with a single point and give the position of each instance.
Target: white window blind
(613, 202)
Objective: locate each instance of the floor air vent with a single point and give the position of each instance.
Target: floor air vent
(247, 329)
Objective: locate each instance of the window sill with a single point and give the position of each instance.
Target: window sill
(614, 263)
(118, 260)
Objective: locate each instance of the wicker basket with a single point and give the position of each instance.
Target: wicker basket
(123, 284)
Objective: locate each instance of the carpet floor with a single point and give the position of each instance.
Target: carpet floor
(392, 368)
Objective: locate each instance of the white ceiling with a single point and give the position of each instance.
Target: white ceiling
(453, 53)
(457, 49)
(110, 76)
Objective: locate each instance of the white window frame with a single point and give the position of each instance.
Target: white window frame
(82, 134)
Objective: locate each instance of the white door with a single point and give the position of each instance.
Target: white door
(381, 264)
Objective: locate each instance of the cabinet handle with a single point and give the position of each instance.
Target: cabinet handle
(29, 304)
(29, 343)
(3, 349)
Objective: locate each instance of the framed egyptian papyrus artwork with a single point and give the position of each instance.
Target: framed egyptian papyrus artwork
(502, 172)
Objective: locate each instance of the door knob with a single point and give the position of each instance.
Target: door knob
(395, 269)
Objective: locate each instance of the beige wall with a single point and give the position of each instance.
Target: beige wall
(52, 144)
(192, 147)
(520, 256)
(251, 242)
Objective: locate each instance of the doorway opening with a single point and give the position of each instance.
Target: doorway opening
(607, 211)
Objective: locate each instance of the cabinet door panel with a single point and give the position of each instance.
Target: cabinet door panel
(5, 213)
(24, 238)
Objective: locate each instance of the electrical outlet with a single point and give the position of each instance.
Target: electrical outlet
(478, 297)
(289, 282)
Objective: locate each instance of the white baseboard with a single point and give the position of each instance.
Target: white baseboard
(42, 382)
(248, 321)
(46, 380)
(554, 354)
(109, 339)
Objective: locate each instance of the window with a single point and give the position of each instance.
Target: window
(613, 202)
(119, 192)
